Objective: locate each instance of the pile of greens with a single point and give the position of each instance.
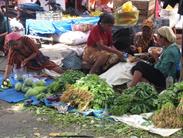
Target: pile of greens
(171, 94)
(138, 99)
(99, 88)
(170, 107)
(68, 77)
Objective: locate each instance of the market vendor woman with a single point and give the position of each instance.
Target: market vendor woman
(144, 39)
(166, 63)
(23, 52)
(99, 52)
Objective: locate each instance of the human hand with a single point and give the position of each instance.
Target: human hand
(133, 48)
(24, 62)
(155, 54)
(155, 39)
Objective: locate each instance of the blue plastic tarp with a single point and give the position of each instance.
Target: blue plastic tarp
(41, 27)
(31, 7)
(36, 27)
(11, 95)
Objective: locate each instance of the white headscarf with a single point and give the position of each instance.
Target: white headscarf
(167, 33)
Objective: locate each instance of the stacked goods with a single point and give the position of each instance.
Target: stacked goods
(97, 90)
(127, 14)
(141, 98)
(170, 105)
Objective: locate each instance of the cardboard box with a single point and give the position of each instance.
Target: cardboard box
(118, 3)
(146, 7)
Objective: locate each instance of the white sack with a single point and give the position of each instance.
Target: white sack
(118, 74)
(73, 38)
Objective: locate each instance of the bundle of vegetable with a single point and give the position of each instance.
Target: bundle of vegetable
(179, 109)
(170, 105)
(167, 117)
(99, 88)
(121, 104)
(68, 77)
(172, 94)
(168, 95)
(138, 99)
(77, 97)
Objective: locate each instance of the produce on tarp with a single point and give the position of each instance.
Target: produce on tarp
(38, 88)
(28, 82)
(35, 91)
(68, 77)
(179, 109)
(93, 85)
(167, 117)
(170, 107)
(77, 97)
(18, 86)
(99, 88)
(31, 88)
(141, 98)
(25, 88)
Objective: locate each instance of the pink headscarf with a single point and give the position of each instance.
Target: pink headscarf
(13, 36)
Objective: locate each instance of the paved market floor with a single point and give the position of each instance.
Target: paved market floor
(21, 124)
(17, 123)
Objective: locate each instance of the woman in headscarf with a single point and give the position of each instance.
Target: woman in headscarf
(143, 40)
(23, 52)
(100, 54)
(165, 65)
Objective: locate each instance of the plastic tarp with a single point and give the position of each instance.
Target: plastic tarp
(36, 27)
(143, 122)
(30, 6)
(44, 27)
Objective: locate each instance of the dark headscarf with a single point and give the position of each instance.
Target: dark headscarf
(106, 18)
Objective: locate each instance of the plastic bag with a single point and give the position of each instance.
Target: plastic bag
(127, 14)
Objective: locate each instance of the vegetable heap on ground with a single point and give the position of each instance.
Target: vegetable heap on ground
(68, 77)
(138, 99)
(98, 90)
(30, 88)
(41, 91)
(170, 107)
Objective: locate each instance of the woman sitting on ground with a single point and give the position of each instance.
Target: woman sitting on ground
(165, 63)
(143, 40)
(100, 54)
(23, 52)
